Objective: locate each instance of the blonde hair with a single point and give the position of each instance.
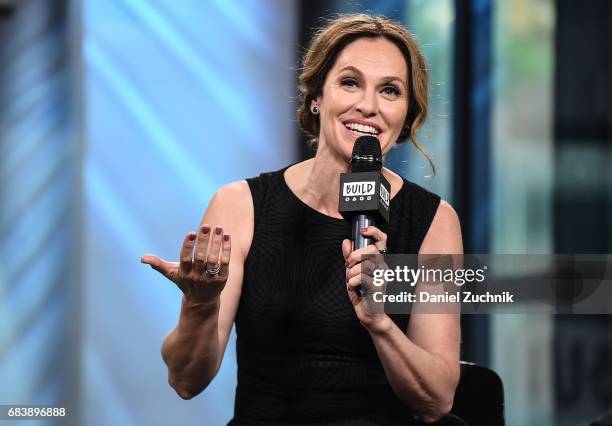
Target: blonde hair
(324, 49)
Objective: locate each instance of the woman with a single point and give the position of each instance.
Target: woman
(308, 351)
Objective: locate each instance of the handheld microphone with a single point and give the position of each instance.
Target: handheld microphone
(364, 192)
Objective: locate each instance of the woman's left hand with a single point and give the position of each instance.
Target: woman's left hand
(360, 267)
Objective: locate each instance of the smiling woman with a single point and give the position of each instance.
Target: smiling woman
(329, 42)
(308, 349)
(365, 92)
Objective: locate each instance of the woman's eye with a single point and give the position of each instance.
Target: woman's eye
(349, 82)
(391, 90)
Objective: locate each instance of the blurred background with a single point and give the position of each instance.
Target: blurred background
(120, 118)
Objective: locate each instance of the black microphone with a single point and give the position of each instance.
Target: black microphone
(364, 192)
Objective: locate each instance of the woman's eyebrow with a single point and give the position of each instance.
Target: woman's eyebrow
(351, 68)
(386, 79)
(393, 78)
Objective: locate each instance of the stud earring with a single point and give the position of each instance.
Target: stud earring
(314, 109)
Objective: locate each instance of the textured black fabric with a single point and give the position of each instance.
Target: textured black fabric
(303, 357)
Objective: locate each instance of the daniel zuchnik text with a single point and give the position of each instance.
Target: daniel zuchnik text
(446, 297)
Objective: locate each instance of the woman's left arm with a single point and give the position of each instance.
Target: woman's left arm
(422, 365)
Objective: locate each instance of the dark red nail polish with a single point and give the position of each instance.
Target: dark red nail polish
(192, 237)
(218, 230)
(226, 237)
(205, 229)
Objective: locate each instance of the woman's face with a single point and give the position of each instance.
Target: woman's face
(365, 93)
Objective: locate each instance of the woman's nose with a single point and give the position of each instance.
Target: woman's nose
(367, 105)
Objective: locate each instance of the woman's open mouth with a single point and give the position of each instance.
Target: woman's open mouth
(359, 129)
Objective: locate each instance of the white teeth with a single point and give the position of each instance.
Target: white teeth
(363, 128)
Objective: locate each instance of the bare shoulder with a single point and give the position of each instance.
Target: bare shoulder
(233, 194)
(444, 234)
(446, 218)
(232, 208)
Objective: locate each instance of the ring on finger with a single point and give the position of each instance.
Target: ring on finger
(383, 250)
(211, 272)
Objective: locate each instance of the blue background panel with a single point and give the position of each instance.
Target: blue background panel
(178, 102)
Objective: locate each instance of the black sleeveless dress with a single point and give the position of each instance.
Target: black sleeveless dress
(303, 357)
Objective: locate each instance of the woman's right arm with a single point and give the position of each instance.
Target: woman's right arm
(194, 349)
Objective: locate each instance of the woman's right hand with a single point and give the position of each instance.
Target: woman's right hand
(201, 252)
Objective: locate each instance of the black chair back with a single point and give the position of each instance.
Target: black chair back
(479, 398)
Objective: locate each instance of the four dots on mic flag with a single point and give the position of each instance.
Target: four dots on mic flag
(369, 197)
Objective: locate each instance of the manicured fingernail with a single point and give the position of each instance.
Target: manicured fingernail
(192, 237)
(218, 230)
(364, 229)
(226, 237)
(205, 229)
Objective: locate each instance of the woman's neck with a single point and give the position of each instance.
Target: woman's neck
(321, 181)
(316, 182)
